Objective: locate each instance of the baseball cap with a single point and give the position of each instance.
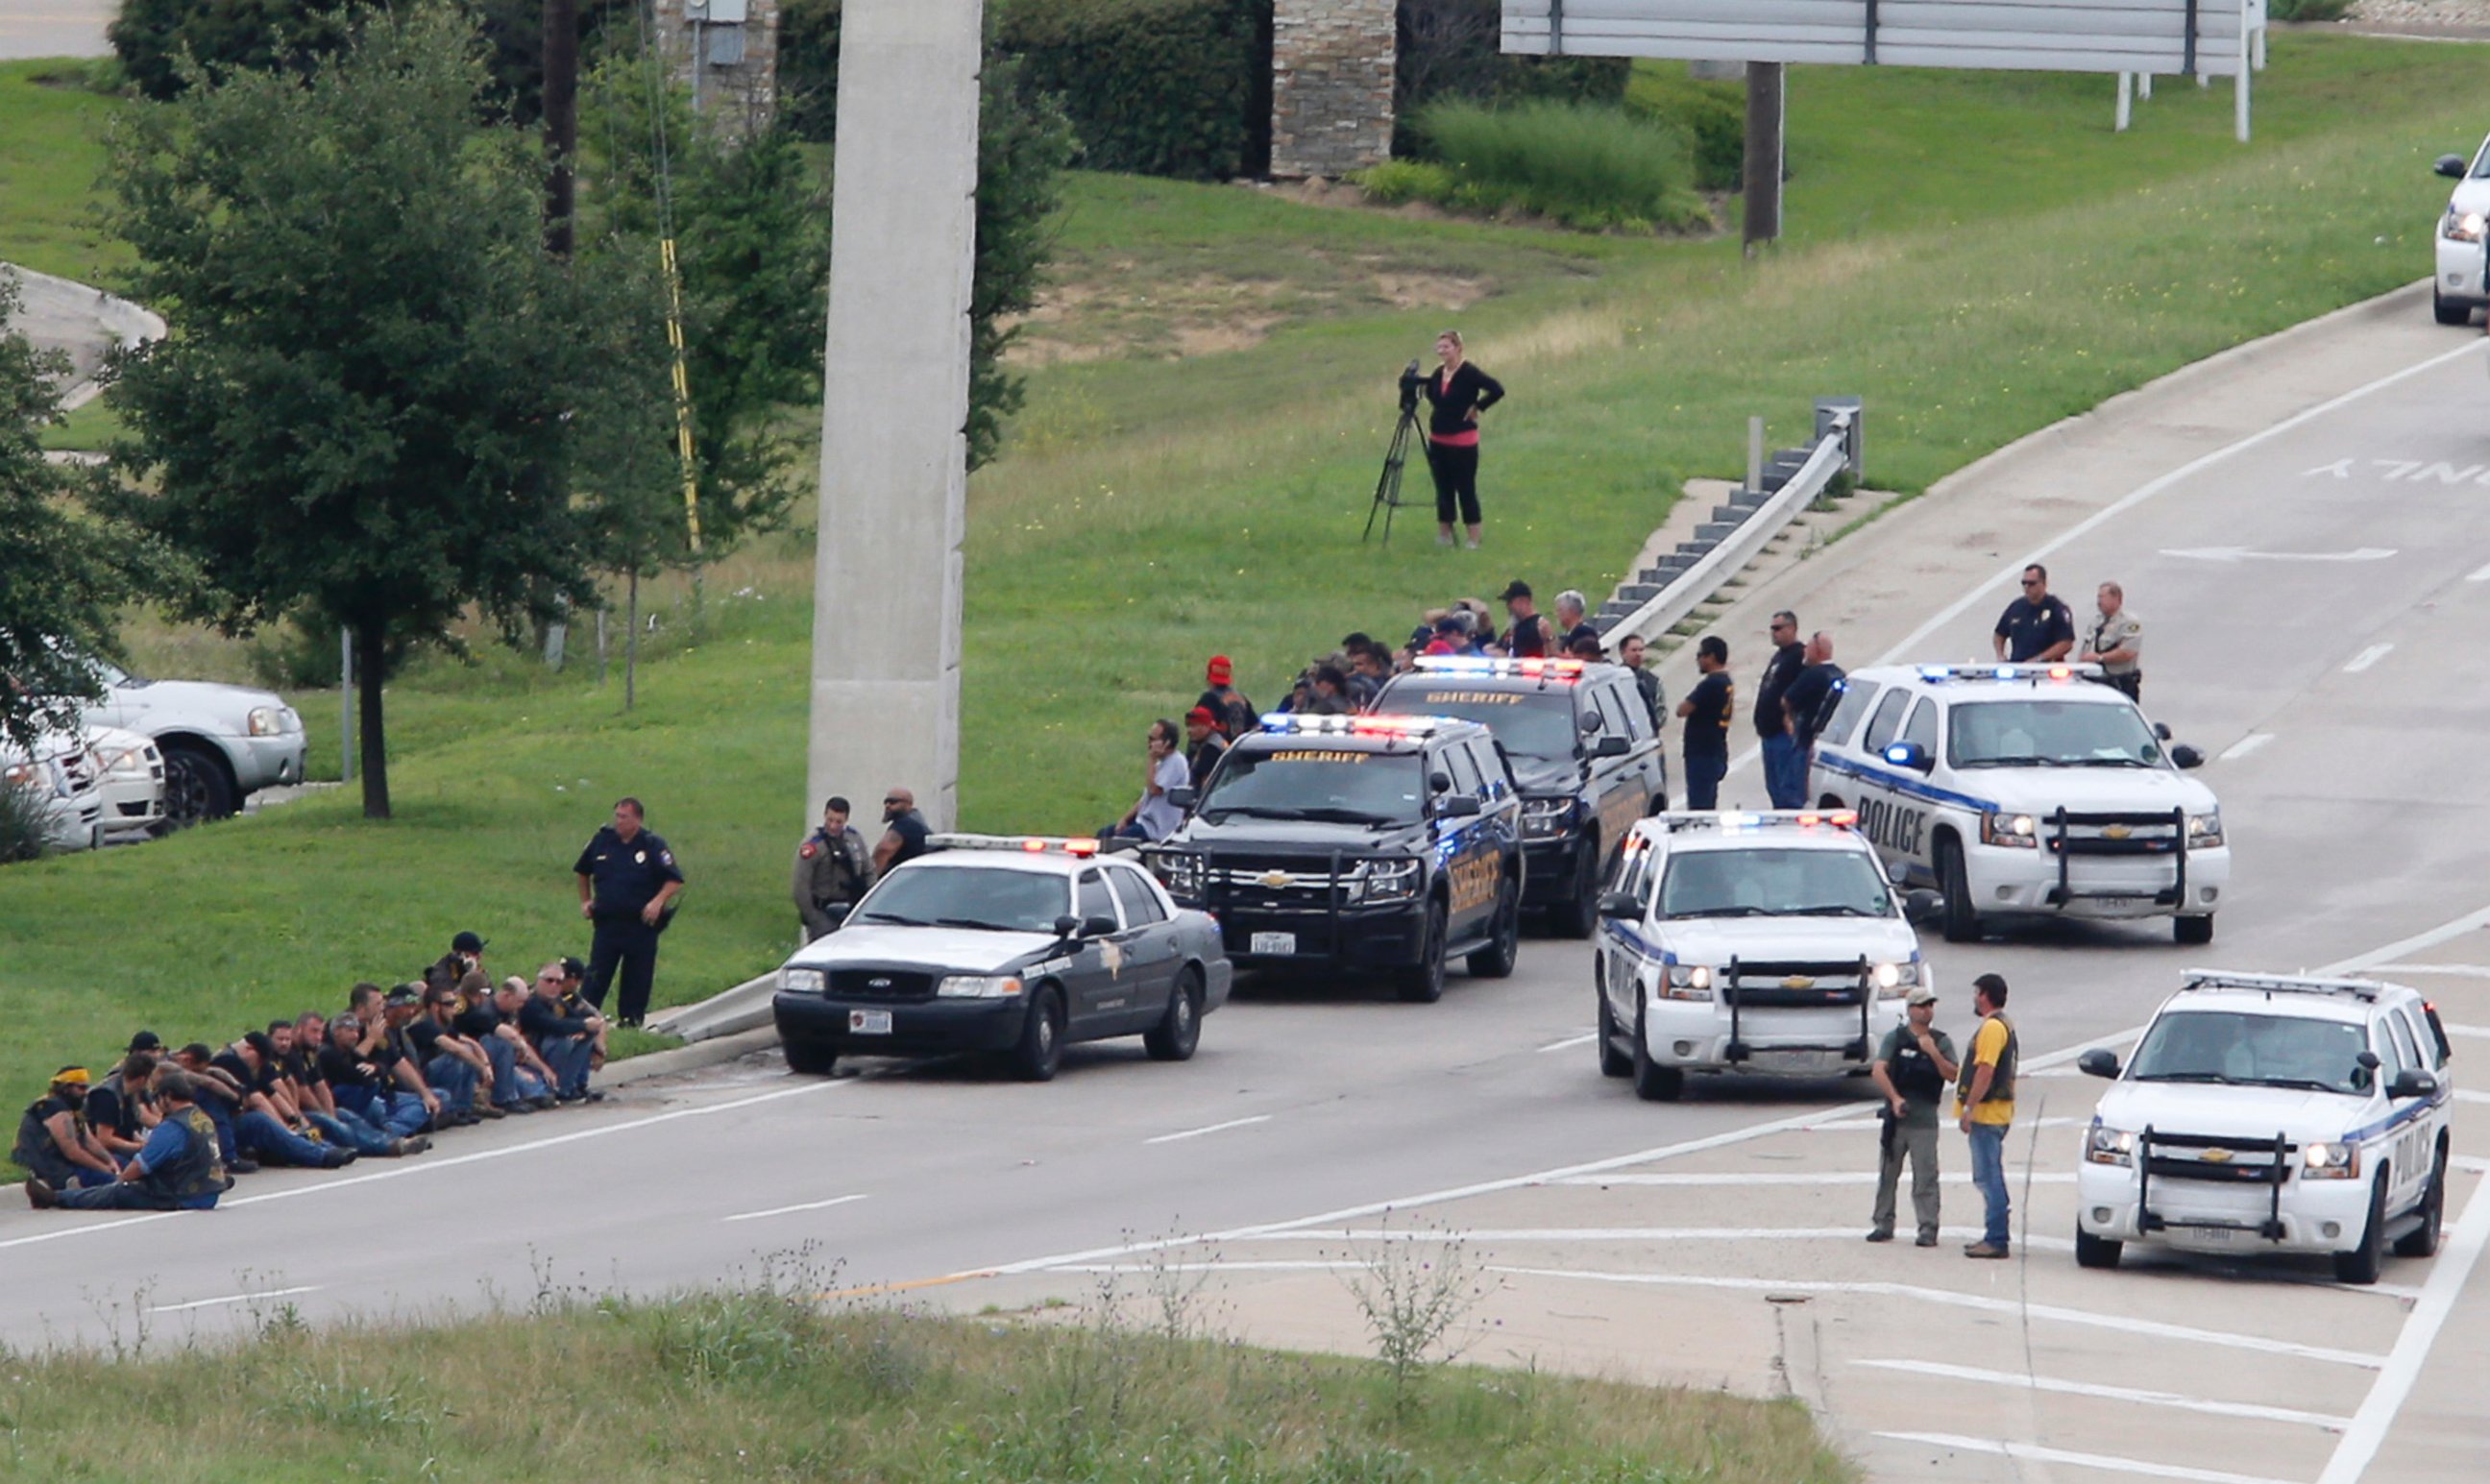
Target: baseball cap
(573, 968)
(147, 1040)
(1516, 587)
(1200, 714)
(1218, 670)
(1923, 995)
(401, 998)
(466, 942)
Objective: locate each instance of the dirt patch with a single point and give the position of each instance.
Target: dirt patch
(1117, 310)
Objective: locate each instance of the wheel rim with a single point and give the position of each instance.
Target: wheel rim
(1046, 1031)
(186, 793)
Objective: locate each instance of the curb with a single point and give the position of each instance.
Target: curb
(688, 1058)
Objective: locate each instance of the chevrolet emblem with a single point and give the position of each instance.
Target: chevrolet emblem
(1275, 880)
(2216, 1157)
(2116, 833)
(1798, 982)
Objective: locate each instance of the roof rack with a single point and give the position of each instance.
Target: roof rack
(1488, 667)
(1080, 846)
(1287, 724)
(2034, 673)
(2280, 983)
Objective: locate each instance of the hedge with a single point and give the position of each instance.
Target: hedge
(1154, 87)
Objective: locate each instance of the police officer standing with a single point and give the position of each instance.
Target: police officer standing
(1913, 1068)
(2116, 643)
(628, 880)
(831, 872)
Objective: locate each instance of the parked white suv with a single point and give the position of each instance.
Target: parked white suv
(221, 744)
(129, 772)
(59, 772)
(2457, 288)
(2266, 1113)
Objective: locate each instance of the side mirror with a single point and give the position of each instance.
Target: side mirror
(1610, 746)
(2184, 756)
(2412, 1082)
(1456, 805)
(2099, 1061)
(2450, 167)
(2161, 730)
(1921, 904)
(1620, 904)
(1067, 926)
(1898, 872)
(1440, 782)
(1184, 798)
(1099, 927)
(1910, 755)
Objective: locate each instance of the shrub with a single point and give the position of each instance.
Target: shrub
(1711, 114)
(1396, 181)
(25, 823)
(1155, 87)
(1588, 167)
(1451, 49)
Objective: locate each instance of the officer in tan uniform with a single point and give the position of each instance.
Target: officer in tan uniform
(832, 870)
(2115, 642)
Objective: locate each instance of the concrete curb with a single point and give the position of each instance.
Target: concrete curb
(688, 1058)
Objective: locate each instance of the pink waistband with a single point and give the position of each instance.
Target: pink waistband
(1462, 440)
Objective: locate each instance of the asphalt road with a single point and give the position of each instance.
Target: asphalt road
(2303, 531)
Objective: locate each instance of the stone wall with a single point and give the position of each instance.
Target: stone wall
(741, 94)
(1331, 85)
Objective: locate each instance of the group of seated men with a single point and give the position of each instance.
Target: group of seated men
(167, 1132)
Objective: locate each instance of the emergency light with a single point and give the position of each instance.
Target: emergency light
(2033, 673)
(1501, 669)
(1080, 846)
(1676, 820)
(1286, 724)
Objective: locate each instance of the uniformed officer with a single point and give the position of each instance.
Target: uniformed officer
(628, 880)
(2116, 643)
(177, 1169)
(833, 871)
(2037, 627)
(1912, 1066)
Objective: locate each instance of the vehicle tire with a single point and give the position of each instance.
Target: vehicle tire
(1495, 961)
(1576, 917)
(1041, 1038)
(1653, 1083)
(2191, 930)
(1612, 1062)
(1179, 1031)
(2423, 1240)
(2362, 1262)
(1828, 801)
(196, 787)
(1424, 984)
(1961, 922)
(2096, 1251)
(810, 1059)
(2447, 313)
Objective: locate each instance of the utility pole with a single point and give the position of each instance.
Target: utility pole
(561, 119)
(1763, 172)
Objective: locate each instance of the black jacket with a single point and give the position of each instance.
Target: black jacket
(1470, 388)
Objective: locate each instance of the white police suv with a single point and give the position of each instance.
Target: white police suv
(1735, 942)
(2273, 1113)
(2024, 789)
(2457, 287)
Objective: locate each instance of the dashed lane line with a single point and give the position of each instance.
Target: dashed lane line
(2135, 1394)
(2034, 1453)
(1210, 1128)
(209, 1303)
(2367, 658)
(1570, 1041)
(2244, 746)
(1777, 1178)
(788, 1210)
(2452, 970)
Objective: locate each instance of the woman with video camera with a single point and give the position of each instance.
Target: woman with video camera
(1456, 393)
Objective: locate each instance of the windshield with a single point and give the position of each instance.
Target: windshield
(2050, 734)
(1529, 724)
(2271, 1051)
(1770, 883)
(976, 896)
(1319, 783)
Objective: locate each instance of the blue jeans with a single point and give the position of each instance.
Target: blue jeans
(1989, 1177)
(398, 1114)
(454, 1079)
(120, 1196)
(1785, 772)
(1703, 773)
(265, 1138)
(511, 1082)
(350, 1134)
(568, 1056)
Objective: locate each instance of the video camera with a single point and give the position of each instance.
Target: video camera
(1410, 381)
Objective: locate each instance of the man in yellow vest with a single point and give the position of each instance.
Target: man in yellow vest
(1984, 1105)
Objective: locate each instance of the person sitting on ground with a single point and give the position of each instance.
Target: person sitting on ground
(576, 1006)
(177, 1168)
(1482, 632)
(1155, 816)
(466, 956)
(396, 1046)
(565, 1043)
(1450, 635)
(219, 1098)
(454, 1067)
(261, 1126)
(120, 1109)
(305, 1109)
(1369, 666)
(54, 1143)
(536, 1080)
(362, 1084)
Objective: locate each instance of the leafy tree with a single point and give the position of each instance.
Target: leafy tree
(377, 384)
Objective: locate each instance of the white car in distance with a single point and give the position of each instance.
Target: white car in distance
(2457, 288)
(58, 776)
(129, 772)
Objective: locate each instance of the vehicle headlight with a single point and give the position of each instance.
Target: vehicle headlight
(1894, 980)
(128, 761)
(1382, 881)
(2018, 830)
(2107, 1146)
(2461, 226)
(1181, 872)
(977, 986)
(24, 775)
(1546, 818)
(2330, 1161)
(1689, 982)
(2204, 831)
(802, 981)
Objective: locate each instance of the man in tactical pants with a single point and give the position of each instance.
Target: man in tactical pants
(1912, 1069)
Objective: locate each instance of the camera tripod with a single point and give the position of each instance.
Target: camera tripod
(1396, 458)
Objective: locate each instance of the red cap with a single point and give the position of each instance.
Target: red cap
(1200, 715)
(1220, 670)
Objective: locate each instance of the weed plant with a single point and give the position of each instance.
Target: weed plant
(1589, 167)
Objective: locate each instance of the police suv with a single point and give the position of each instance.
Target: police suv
(2273, 1113)
(1734, 941)
(1580, 745)
(2024, 789)
(1012, 944)
(1388, 843)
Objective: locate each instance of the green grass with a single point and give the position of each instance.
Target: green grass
(754, 1386)
(91, 427)
(1151, 513)
(1587, 167)
(52, 147)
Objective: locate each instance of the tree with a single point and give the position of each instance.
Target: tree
(377, 383)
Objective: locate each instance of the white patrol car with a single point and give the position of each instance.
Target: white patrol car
(1749, 942)
(2024, 789)
(2271, 1114)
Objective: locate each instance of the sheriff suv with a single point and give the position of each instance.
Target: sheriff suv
(2024, 789)
(1582, 748)
(2271, 1114)
(1734, 941)
(1012, 944)
(1385, 844)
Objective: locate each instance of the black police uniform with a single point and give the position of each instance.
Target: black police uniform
(625, 879)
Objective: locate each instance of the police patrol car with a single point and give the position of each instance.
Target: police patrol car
(1749, 942)
(1000, 943)
(1388, 843)
(1580, 745)
(2265, 1112)
(2024, 789)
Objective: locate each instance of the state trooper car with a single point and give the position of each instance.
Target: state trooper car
(1581, 746)
(2266, 1113)
(2024, 789)
(1011, 944)
(1749, 942)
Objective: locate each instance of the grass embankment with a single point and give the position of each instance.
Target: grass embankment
(758, 1387)
(51, 145)
(1154, 512)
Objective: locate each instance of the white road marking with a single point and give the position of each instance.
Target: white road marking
(2033, 1452)
(1774, 1178)
(2367, 658)
(207, 1303)
(1625, 1234)
(2470, 1164)
(2478, 574)
(1583, 1039)
(1196, 1133)
(2233, 555)
(1977, 1376)
(2469, 1095)
(2448, 1273)
(2452, 971)
(2476, 1032)
(1848, 1125)
(785, 1210)
(2244, 746)
(1909, 645)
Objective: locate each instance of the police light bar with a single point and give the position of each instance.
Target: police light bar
(2279, 984)
(1287, 724)
(1489, 668)
(2059, 670)
(1757, 819)
(1031, 844)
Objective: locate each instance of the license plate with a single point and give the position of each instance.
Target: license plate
(2207, 1234)
(1273, 943)
(868, 1022)
(2118, 901)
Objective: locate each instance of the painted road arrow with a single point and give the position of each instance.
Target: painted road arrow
(2242, 554)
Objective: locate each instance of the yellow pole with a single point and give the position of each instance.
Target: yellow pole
(682, 394)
